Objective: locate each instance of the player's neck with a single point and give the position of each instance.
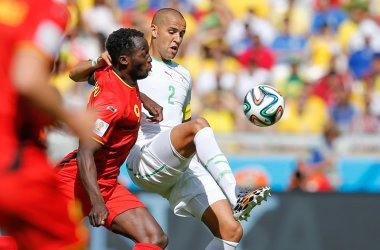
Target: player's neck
(126, 78)
(157, 57)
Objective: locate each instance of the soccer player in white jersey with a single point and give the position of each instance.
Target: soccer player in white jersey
(179, 158)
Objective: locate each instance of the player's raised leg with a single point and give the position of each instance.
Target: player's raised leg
(196, 136)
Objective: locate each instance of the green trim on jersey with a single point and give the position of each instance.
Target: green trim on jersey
(147, 176)
(158, 60)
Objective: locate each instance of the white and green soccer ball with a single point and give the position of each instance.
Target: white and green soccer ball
(263, 105)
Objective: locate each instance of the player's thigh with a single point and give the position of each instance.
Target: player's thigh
(119, 200)
(130, 217)
(182, 136)
(194, 192)
(162, 149)
(156, 167)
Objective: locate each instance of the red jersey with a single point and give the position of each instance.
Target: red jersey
(24, 25)
(118, 117)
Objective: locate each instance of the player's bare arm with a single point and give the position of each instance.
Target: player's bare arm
(82, 70)
(88, 175)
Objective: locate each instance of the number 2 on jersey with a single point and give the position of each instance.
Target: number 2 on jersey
(171, 94)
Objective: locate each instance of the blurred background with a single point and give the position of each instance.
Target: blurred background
(322, 159)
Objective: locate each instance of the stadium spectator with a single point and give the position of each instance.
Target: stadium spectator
(326, 13)
(263, 55)
(307, 114)
(323, 47)
(367, 35)
(101, 18)
(240, 31)
(371, 86)
(163, 160)
(299, 14)
(357, 12)
(218, 69)
(366, 121)
(251, 76)
(343, 112)
(89, 174)
(286, 46)
(32, 208)
(293, 85)
(220, 108)
(318, 173)
(328, 86)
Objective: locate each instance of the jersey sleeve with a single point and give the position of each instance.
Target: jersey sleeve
(94, 76)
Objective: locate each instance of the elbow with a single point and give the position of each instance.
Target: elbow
(73, 77)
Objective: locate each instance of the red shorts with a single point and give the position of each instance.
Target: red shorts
(116, 197)
(32, 208)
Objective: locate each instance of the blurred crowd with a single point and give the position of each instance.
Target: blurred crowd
(322, 55)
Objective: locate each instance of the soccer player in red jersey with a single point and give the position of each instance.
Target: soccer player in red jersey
(32, 208)
(90, 173)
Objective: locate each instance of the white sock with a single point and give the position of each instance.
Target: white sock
(216, 163)
(219, 244)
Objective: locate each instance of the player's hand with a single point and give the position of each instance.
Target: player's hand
(105, 59)
(154, 109)
(98, 215)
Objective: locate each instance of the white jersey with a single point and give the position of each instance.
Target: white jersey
(169, 85)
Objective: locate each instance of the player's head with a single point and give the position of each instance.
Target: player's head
(167, 29)
(129, 51)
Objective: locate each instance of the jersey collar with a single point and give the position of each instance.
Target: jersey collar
(125, 83)
(158, 60)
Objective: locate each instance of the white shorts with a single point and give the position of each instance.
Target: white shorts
(157, 167)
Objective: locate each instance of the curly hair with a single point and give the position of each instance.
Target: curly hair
(121, 42)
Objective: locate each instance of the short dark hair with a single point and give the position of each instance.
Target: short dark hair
(121, 42)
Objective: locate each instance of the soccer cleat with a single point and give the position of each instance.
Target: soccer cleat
(248, 200)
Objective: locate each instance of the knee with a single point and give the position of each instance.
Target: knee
(158, 239)
(233, 231)
(199, 123)
(162, 241)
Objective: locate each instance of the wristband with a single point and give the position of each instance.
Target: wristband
(94, 62)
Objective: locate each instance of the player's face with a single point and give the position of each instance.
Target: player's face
(141, 60)
(169, 36)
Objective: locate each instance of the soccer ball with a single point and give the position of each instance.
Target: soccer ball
(263, 105)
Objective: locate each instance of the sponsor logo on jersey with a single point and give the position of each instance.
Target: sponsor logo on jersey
(168, 74)
(100, 127)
